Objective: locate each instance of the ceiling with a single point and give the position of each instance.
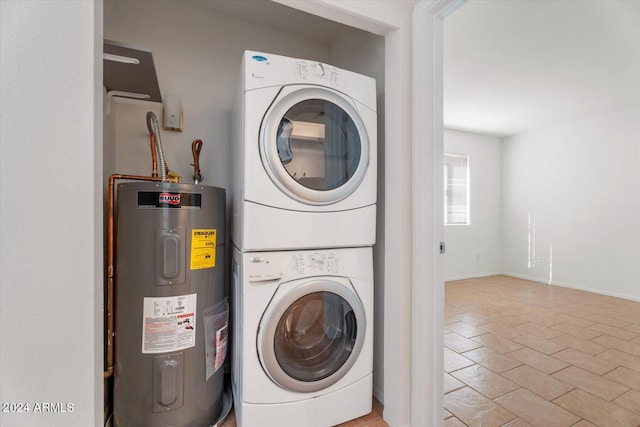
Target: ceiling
(277, 16)
(516, 66)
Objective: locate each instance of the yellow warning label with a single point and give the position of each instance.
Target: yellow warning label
(203, 248)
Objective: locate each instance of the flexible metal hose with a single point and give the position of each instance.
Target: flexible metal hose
(154, 128)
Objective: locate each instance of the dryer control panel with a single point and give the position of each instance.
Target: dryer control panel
(266, 70)
(307, 69)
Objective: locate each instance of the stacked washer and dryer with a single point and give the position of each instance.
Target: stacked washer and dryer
(304, 217)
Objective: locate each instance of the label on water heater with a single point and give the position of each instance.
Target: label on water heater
(168, 323)
(168, 200)
(203, 248)
(216, 325)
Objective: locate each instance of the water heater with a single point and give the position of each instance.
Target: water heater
(171, 314)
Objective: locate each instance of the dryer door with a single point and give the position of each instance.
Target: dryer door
(311, 336)
(314, 144)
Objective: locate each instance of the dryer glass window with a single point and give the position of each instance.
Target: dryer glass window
(318, 144)
(315, 336)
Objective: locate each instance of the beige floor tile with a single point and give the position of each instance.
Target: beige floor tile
(613, 331)
(465, 329)
(629, 313)
(447, 414)
(634, 327)
(492, 360)
(576, 331)
(602, 387)
(458, 343)
(584, 423)
(475, 410)
(585, 361)
(536, 410)
(596, 410)
(568, 319)
(625, 376)
(545, 318)
(450, 319)
(451, 383)
(574, 312)
(454, 422)
(540, 383)
(575, 348)
(503, 330)
(474, 319)
(540, 344)
(630, 400)
(579, 344)
(540, 361)
(453, 361)
(371, 419)
(621, 359)
(485, 382)
(518, 422)
(608, 321)
(497, 343)
(618, 344)
(539, 330)
(513, 319)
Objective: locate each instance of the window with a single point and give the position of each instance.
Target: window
(456, 189)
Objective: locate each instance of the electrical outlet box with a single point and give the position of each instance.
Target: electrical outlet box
(173, 113)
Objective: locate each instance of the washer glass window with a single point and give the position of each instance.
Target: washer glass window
(319, 144)
(315, 336)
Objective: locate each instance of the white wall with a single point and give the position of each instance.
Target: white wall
(476, 250)
(50, 211)
(571, 204)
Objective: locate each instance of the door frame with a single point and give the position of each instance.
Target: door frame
(427, 290)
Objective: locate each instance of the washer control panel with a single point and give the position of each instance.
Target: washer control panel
(267, 268)
(314, 263)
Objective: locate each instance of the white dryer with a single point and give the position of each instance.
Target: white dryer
(304, 150)
(303, 343)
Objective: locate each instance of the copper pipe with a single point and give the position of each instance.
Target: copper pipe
(196, 146)
(154, 155)
(111, 264)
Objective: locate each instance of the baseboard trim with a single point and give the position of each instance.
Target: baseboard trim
(571, 286)
(471, 276)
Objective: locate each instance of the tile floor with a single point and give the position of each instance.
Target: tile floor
(520, 353)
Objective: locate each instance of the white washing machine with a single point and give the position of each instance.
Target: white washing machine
(303, 343)
(304, 150)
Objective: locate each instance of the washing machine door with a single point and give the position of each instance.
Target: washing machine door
(311, 336)
(314, 144)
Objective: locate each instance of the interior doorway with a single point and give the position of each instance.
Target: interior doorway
(533, 253)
